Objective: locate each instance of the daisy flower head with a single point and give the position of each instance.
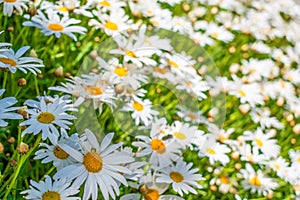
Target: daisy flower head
(161, 151)
(214, 150)
(15, 60)
(99, 166)
(53, 24)
(181, 177)
(45, 119)
(150, 189)
(10, 5)
(295, 157)
(54, 153)
(184, 134)
(136, 50)
(5, 109)
(141, 110)
(256, 181)
(113, 24)
(48, 189)
(263, 142)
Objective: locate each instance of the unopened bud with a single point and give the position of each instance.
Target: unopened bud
(10, 29)
(23, 148)
(13, 163)
(22, 82)
(244, 108)
(238, 166)
(22, 111)
(119, 88)
(11, 140)
(1, 148)
(296, 129)
(213, 188)
(68, 75)
(235, 155)
(33, 53)
(59, 72)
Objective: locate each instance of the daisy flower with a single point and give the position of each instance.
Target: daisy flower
(54, 153)
(295, 157)
(55, 25)
(13, 61)
(9, 5)
(181, 176)
(135, 50)
(214, 151)
(150, 189)
(280, 166)
(161, 152)
(99, 166)
(184, 134)
(44, 118)
(48, 189)
(141, 110)
(113, 24)
(263, 142)
(256, 181)
(5, 109)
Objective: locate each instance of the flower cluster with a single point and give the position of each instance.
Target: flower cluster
(191, 99)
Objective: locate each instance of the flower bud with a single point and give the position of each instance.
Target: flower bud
(22, 82)
(23, 148)
(59, 72)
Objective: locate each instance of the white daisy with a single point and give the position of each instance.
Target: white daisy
(263, 142)
(53, 24)
(97, 165)
(184, 134)
(46, 190)
(214, 150)
(256, 181)
(161, 152)
(141, 110)
(113, 24)
(9, 5)
(13, 61)
(181, 176)
(44, 118)
(5, 109)
(150, 189)
(54, 153)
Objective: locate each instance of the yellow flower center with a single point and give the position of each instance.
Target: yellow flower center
(158, 146)
(298, 160)
(152, 194)
(224, 179)
(60, 153)
(242, 93)
(63, 9)
(255, 181)
(130, 54)
(222, 138)
(259, 142)
(92, 162)
(179, 135)
(215, 35)
(8, 61)
(9, 1)
(276, 166)
(137, 106)
(192, 116)
(51, 195)
(173, 64)
(93, 90)
(160, 70)
(121, 71)
(46, 118)
(111, 26)
(104, 3)
(210, 151)
(56, 27)
(176, 176)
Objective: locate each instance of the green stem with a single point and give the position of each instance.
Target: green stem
(4, 80)
(36, 86)
(19, 166)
